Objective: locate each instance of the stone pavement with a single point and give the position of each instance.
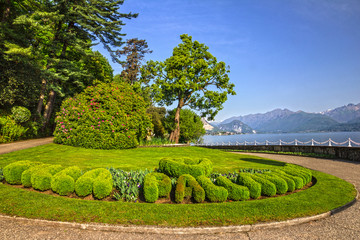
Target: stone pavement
(343, 225)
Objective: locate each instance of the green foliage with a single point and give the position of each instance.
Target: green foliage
(192, 128)
(280, 184)
(10, 130)
(41, 177)
(267, 187)
(157, 116)
(107, 116)
(298, 181)
(187, 186)
(289, 181)
(156, 185)
(63, 182)
(236, 192)
(1, 175)
(155, 142)
(97, 181)
(20, 114)
(13, 171)
(254, 187)
(298, 171)
(26, 175)
(213, 193)
(177, 167)
(128, 183)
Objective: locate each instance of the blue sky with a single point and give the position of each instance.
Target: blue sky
(295, 54)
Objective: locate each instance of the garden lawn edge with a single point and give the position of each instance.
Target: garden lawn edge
(248, 214)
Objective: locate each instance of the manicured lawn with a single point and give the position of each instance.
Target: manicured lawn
(328, 193)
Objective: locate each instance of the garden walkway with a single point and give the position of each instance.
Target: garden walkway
(343, 225)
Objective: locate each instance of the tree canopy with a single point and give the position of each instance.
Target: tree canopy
(191, 77)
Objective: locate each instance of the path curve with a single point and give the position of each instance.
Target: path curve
(344, 225)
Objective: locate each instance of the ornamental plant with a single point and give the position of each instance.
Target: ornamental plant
(106, 116)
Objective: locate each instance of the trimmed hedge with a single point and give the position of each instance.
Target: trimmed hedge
(156, 185)
(213, 193)
(177, 167)
(254, 187)
(41, 178)
(267, 187)
(236, 192)
(97, 181)
(63, 182)
(187, 186)
(26, 175)
(299, 182)
(13, 171)
(299, 172)
(290, 182)
(280, 184)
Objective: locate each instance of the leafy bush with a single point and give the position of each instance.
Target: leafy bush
(254, 187)
(13, 171)
(20, 114)
(298, 171)
(178, 167)
(41, 178)
(236, 192)
(63, 182)
(107, 116)
(267, 187)
(213, 193)
(299, 182)
(10, 130)
(187, 186)
(1, 175)
(156, 185)
(290, 182)
(280, 184)
(128, 183)
(26, 175)
(97, 181)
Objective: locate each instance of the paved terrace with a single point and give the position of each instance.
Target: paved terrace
(343, 225)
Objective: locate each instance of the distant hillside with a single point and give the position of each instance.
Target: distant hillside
(235, 126)
(344, 114)
(298, 122)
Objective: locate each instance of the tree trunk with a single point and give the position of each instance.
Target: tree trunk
(42, 96)
(175, 134)
(48, 108)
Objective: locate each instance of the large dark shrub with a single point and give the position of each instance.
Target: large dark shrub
(107, 116)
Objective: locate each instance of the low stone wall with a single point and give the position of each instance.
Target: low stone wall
(348, 153)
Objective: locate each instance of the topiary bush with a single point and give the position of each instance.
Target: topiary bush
(177, 167)
(20, 114)
(156, 185)
(107, 116)
(13, 171)
(267, 187)
(280, 184)
(187, 186)
(97, 181)
(254, 187)
(26, 175)
(213, 193)
(41, 178)
(299, 182)
(290, 182)
(63, 182)
(236, 192)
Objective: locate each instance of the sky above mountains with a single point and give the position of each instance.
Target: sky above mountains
(282, 53)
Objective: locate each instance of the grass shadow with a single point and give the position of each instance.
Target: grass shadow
(262, 161)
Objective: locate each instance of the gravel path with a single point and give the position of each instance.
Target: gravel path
(344, 225)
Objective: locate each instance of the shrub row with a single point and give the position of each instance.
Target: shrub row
(280, 184)
(213, 193)
(178, 167)
(187, 186)
(254, 187)
(235, 192)
(62, 181)
(156, 185)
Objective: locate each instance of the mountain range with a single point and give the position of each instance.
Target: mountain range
(345, 118)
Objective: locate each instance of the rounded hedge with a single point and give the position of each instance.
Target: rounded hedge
(62, 184)
(13, 171)
(175, 167)
(267, 187)
(97, 181)
(156, 185)
(26, 175)
(236, 192)
(41, 178)
(213, 193)
(187, 186)
(84, 186)
(107, 116)
(254, 187)
(20, 114)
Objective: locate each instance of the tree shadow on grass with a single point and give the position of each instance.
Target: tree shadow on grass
(263, 161)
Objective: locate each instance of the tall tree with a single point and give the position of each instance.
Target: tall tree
(135, 51)
(192, 77)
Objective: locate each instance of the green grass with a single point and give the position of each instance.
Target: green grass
(328, 193)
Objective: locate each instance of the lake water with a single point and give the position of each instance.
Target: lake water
(287, 138)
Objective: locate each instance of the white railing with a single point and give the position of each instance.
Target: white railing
(312, 142)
